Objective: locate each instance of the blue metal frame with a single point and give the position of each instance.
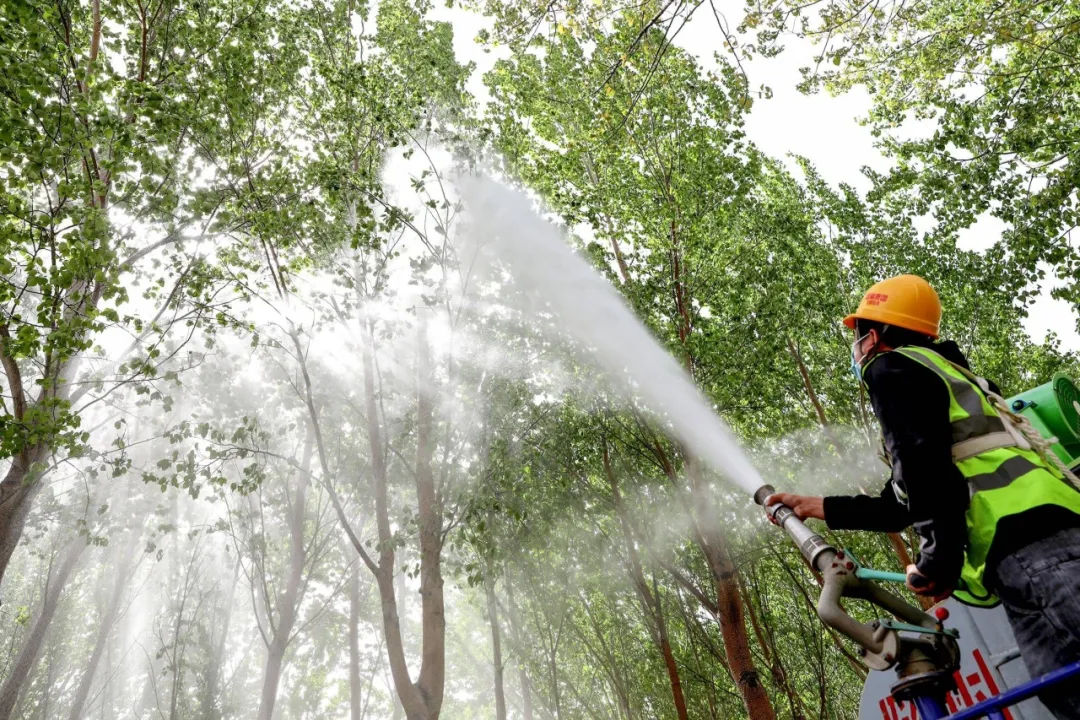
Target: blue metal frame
(934, 709)
(930, 708)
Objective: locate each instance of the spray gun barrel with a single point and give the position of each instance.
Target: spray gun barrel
(814, 548)
(930, 658)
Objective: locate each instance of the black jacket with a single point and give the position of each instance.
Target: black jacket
(912, 406)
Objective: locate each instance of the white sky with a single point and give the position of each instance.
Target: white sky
(820, 127)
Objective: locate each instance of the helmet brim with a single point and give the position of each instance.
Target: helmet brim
(893, 319)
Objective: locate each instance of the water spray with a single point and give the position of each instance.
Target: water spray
(505, 229)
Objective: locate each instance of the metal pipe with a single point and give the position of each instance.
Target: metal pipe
(882, 647)
(763, 492)
(881, 575)
(814, 548)
(930, 708)
(875, 639)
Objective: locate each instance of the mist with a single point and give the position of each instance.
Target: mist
(311, 475)
(330, 391)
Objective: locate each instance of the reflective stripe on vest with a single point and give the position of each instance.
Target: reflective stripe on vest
(981, 418)
(1009, 470)
(1002, 480)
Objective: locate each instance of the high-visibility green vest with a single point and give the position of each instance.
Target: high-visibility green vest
(1002, 481)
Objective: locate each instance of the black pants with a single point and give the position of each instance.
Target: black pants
(1039, 586)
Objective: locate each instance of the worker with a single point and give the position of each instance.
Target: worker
(995, 521)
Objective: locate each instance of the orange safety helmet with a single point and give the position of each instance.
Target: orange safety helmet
(905, 301)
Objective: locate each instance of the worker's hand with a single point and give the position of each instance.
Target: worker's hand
(804, 506)
(922, 585)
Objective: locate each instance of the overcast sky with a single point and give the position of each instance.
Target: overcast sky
(820, 127)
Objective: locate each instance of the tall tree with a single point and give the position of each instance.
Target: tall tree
(281, 565)
(103, 111)
(123, 568)
(650, 600)
(998, 85)
(58, 576)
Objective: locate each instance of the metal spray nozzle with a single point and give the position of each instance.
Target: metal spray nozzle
(763, 492)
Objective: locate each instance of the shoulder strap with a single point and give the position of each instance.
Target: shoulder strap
(1027, 437)
(1008, 437)
(982, 382)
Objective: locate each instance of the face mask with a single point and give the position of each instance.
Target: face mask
(856, 365)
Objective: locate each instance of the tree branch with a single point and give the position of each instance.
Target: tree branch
(14, 375)
(95, 40)
(167, 240)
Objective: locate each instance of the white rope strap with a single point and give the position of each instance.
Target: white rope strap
(1041, 445)
(983, 443)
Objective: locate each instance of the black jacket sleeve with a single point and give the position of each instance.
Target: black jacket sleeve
(912, 404)
(884, 513)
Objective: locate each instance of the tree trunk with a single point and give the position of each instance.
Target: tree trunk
(24, 663)
(23, 479)
(552, 651)
(605, 658)
(736, 642)
(650, 601)
(519, 640)
(46, 695)
(804, 373)
(108, 619)
(672, 669)
(728, 609)
(175, 656)
(402, 604)
(275, 656)
(421, 700)
(692, 624)
(729, 603)
(768, 650)
(526, 693)
(211, 708)
(106, 707)
(707, 531)
(430, 682)
(408, 694)
(496, 642)
(290, 599)
(17, 492)
(356, 707)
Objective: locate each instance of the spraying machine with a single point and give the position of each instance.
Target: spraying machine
(916, 644)
(1054, 410)
(921, 668)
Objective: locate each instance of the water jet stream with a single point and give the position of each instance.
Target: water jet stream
(506, 224)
